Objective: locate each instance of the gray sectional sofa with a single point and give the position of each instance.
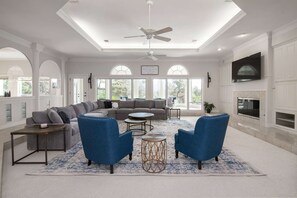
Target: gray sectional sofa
(68, 116)
(157, 107)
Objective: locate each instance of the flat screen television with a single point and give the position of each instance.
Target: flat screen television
(247, 69)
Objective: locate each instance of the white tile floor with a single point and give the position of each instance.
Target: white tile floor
(280, 167)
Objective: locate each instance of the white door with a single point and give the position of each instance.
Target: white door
(78, 89)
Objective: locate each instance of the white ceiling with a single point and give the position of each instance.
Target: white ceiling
(201, 20)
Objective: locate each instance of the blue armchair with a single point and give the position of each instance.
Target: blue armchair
(102, 142)
(205, 141)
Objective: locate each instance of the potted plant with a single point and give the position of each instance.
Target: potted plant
(208, 107)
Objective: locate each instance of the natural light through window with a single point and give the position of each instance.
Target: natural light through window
(121, 70)
(177, 70)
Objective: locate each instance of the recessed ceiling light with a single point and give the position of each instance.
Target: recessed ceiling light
(73, 1)
(106, 41)
(242, 35)
(220, 49)
(194, 40)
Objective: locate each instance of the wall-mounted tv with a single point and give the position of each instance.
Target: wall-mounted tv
(247, 69)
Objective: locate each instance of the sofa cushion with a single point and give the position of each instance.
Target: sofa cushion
(54, 116)
(100, 104)
(95, 105)
(102, 111)
(64, 117)
(40, 117)
(126, 104)
(158, 111)
(124, 111)
(88, 106)
(75, 128)
(143, 104)
(160, 104)
(95, 114)
(69, 110)
(79, 109)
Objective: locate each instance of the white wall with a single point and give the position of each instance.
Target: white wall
(101, 69)
(259, 44)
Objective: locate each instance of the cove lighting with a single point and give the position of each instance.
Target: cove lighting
(90, 19)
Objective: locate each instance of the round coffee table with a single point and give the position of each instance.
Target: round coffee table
(142, 116)
(153, 152)
(136, 131)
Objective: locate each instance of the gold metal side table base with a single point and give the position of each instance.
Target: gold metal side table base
(154, 153)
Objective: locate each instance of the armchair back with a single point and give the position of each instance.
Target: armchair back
(101, 139)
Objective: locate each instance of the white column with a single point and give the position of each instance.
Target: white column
(64, 81)
(269, 86)
(36, 49)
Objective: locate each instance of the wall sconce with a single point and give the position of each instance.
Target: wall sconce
(208, 79)
(90, 80)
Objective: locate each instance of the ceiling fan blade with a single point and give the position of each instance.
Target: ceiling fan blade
(161, 31)
(153, 58)
(134, 36)
(162, 38)
(143, 30)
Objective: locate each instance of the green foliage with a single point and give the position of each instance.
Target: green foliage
(208, 107)
(26, 88)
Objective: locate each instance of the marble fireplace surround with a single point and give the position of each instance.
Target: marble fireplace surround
(257, 127)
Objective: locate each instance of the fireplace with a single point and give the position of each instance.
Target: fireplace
(248, 107)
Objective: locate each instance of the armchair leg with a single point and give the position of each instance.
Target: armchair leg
(111, 169)
(130, 156)
(217, 159)
(176, 154)
(199, 164)
(89, 162)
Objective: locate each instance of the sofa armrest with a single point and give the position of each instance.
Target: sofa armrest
(30, 121)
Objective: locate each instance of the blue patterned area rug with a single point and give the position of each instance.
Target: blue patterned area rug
(73, 162)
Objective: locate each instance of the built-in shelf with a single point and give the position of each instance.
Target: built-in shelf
(285, 119)
(24, 110)
(8, 113)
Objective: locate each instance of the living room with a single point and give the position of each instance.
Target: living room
(269, 27)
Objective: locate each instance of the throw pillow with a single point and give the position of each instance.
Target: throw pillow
(79, 109)
(64, 117)
(100, 104)
(54, 116)
(115, 105)
(88, 106)
(95, 105)
(107, 104)
(40, 117)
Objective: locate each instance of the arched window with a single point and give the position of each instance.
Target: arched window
(15, 73)
(177, 70)
(121, 70)
(50, 78)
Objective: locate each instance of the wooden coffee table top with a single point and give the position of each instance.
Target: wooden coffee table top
(37, 130)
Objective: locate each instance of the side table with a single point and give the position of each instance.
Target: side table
(177, 112)
(154, 152)
(131, 123)
(36, 130)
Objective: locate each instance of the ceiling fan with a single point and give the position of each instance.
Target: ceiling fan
(150, 54)
(151, 33)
